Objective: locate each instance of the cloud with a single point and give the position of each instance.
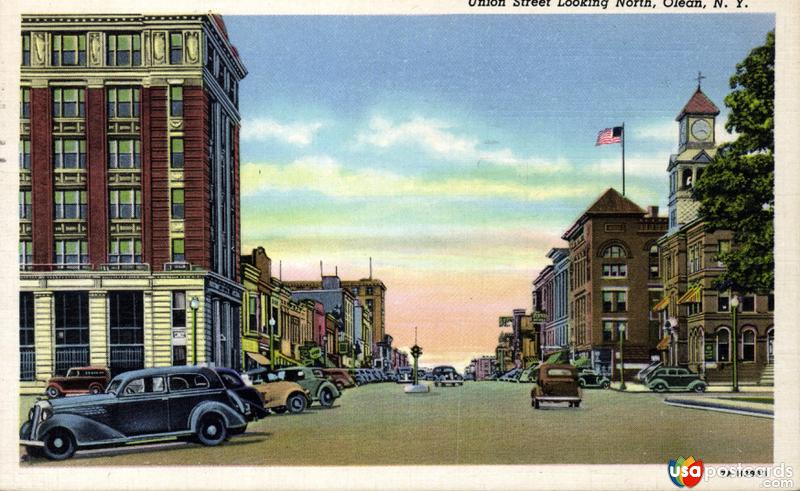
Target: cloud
(640, 165)
(661, 131)
(301, 134)
(326, 176)
(437, 138)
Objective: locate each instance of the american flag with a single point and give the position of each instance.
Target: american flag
(609, 135)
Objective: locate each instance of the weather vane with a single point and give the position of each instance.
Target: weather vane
(700, 78)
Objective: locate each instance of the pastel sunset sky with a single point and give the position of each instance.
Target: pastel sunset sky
(455, 150)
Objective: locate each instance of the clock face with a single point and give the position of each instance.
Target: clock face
(701, 129)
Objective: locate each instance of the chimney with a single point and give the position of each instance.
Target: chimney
(652, 211)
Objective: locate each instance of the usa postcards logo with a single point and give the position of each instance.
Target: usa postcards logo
(685, 472)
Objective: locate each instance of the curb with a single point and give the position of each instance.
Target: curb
(707, 405)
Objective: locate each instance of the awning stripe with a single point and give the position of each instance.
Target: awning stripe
(692, 295)
(258, 358)
(661, 305)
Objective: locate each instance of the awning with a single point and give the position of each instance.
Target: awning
(284, 361)
(258, 358)
(692, 295)
(661, 305)
(663, 345)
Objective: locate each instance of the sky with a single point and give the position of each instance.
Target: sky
(455, 150)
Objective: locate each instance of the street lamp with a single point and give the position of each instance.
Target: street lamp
(194, 303)
(271, 349)
(621, 328)
(734, 309)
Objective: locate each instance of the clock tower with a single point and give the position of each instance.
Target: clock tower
(696, 149)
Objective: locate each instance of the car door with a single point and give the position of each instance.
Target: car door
(141, 407)
(185, 392)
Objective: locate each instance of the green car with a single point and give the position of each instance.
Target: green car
(314, 381)
(674, 379)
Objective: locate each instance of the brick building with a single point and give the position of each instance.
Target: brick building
(129, 193)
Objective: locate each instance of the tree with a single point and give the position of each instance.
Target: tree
(737, 190)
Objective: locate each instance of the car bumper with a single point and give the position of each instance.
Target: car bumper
(557, 399)
(31, 443)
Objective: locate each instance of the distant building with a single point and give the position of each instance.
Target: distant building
(612, 249)
(551, 305)
(484, 366)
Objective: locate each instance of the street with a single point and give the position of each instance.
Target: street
(479, 423)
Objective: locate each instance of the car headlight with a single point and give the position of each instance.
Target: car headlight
(30, 415)
(46, 413)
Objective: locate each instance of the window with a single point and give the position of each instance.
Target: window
(69, 205)
(615, 301)
(146, 385)
(125, 317)
(123, 102)
(178, 309)
(25, 252)
(69, 154)
(748, 345)
(653, 261)
(615, 270)
(26, 49)
(176, 153)
(72, 321)
(178, 255)
(125, 203)
(69, 50)
(611, 330)
(187, 382)
(123, 50)
(354, 290)
(125, 251)
(723, 303)
(25, 205)
(371, 304)
(124, 154)
(176, 101)
(614, 251)
(175, 48)
(27, 350)
(771, 302)
(254, 311)
(723, 345)
(177, 203)
(369, 290)
(723, 246)
(71, 252)
(24, 154)
(25, 102)
(749, 303)
(608, 330)
(673, 218)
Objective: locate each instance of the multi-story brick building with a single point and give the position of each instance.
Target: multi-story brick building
(695, 314)
(129, 193)
(551, 304)
(612, 250)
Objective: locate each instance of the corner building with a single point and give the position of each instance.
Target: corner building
(129, 193)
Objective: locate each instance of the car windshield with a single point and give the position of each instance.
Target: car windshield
(559, 372)
(113, 387)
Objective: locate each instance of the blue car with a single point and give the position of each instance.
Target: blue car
(154, 403)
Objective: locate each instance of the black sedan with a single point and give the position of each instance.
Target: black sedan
(593, 379)
(154, 403)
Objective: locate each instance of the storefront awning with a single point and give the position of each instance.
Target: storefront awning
(282, 360)
(663, 345)
(692, 295)
(258, 358)
(661, 305)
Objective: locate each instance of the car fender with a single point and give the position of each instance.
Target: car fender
(694, 384)
(330, 386)
(86, 431)
(652, 383)
(56, 385)
(231, 416)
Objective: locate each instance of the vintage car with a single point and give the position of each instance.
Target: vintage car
(405, 378)
(445, 375)
(592, 379)
(154, 403)
(675, 379)
(79, 380)
(340, 377)
(510, 376)
(279, 395)
(528, 375)
(556, 383)
(254, 402)
(313, 381)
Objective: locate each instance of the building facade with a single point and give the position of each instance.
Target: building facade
(695, 315)
(611, 251)
(551, 305)
(129, 193)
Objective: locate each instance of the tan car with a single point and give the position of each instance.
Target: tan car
(279, 395)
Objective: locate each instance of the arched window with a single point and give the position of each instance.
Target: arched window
(653, 261)
(749, 345)
(723, 344)
(686, 178)
(614, 251)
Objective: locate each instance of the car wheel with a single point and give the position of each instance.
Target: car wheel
(211, 430)
(700, 388)
(53, 392)
(59, 444)
(326, 398)
(95, 389)
(296, 403)
(582, 382)
(660, 387)
(25, 431)
(536, 403)
(578, 404)
(606, 384)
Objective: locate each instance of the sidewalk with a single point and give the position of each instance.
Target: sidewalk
(725, 405)
(635, 387)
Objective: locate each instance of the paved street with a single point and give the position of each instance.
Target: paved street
(479, 423)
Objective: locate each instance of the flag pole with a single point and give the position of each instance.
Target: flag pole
(623, 158)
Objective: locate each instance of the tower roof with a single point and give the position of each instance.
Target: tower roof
(610, 202)
(698, 104)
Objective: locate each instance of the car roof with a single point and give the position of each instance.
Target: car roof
(154, 372)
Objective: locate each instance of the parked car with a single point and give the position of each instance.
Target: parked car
(358, 375)
(556, 383)
(405, 378)
(589, 378)
(469, 376)
(446, 375)
(379, 375)
(80, 380)
(279, 395)
(510, 376)
(391, 376)
(340, 377)
(254, 402)
(528, 375)
(642, 374)
(314, 381)
(674, 379)
(154, 403)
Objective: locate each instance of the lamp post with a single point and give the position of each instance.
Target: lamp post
(194, 303)
(271, 349)
(621, 328)
(734, 309)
